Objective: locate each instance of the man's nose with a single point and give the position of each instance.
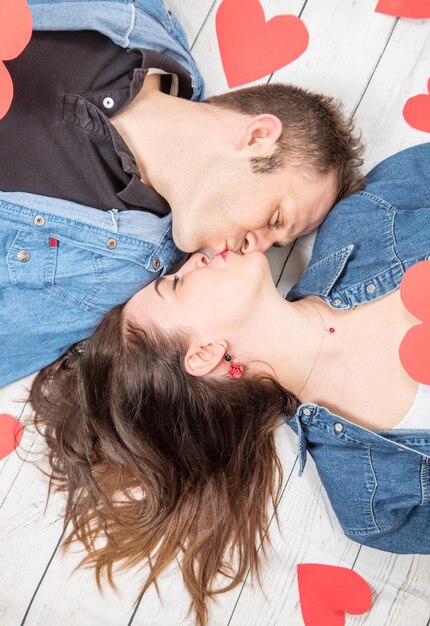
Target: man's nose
(256, 240)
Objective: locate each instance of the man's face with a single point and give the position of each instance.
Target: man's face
(256, 211)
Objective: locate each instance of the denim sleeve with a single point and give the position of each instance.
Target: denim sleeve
(128, 23)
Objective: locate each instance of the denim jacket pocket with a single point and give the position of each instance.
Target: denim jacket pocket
(373, 487)
(79, 275)
(401, 480)
(37, 261)
(346, 470)
(31, 260)
(95, 281)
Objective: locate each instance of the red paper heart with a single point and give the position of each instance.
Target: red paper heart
(11, 432)
(328, 592)
(251, 47)
(404, 8)
(6, 90)
(414, 350)
(417, 111)
(15, 33)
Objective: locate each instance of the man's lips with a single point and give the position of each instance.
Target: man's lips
(223, 254)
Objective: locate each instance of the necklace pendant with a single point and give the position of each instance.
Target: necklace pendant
(331, 330)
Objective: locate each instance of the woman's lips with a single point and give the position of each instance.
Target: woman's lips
(223, 254)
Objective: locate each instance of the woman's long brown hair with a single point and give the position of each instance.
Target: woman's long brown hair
(159, 463)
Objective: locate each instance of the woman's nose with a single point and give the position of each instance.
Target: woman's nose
(208, 253)
(200, 259)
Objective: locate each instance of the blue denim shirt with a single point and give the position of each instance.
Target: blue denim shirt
(54, 294)
(378, 482)
(58, 296)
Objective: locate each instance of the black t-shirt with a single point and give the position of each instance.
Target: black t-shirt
(56, 139)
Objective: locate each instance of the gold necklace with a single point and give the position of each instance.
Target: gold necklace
(330, 330)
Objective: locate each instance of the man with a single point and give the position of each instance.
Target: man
(115, 134)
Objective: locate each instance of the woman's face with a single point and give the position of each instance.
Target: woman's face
(205, 296)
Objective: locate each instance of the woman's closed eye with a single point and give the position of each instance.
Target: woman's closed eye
(166, 281)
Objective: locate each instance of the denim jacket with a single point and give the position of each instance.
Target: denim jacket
(378, 482)
(52, 296)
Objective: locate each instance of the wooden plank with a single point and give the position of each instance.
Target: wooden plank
(296, 262)
(69, 597)
(278, 258)
(13, 402)
(400, 586)
(192, 14)
(346, 40)
(14, 396)
(402, 72)
(28, 537)
(11, 465)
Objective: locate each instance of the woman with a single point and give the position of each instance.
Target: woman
(161, 427)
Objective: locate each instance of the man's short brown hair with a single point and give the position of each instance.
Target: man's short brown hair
(316, 135)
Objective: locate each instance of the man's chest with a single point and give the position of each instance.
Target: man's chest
(57, 138)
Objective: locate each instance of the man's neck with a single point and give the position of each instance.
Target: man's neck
(162, 132)
(128, 121)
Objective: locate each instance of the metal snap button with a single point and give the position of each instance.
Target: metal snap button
(370, 288)
(111, 244)
(108, 103)
(39, 220)
(337, 302)
(23, 256)
(338, 427)
(306, 412)
(155, 264)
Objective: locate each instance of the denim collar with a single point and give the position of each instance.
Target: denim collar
(320, 278)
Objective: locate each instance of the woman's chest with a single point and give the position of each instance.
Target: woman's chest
(360, 375)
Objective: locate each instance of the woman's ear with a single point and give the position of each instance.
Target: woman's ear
(202, 360)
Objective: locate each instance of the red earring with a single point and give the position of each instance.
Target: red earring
(235, 370)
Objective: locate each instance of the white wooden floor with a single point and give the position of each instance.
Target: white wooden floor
(373, 63)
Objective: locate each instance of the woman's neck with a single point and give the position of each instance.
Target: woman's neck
(292, 339)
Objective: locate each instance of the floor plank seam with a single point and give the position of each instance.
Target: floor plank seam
(375, 68)
(23, 461)
(203, 24)
(33, 597)
(287, 480)
(287, 256)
